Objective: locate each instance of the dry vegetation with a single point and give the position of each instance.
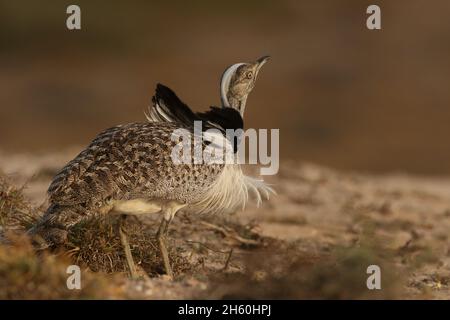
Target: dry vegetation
(15, 211)
(96, 244)
(26, 274)
(313, 241)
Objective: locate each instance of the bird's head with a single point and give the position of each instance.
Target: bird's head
(238, 81)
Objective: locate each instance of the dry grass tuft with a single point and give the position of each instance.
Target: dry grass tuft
(15, 212)
(26, 275)
(96, 244)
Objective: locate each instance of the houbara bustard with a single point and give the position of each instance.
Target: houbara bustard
(128, 169)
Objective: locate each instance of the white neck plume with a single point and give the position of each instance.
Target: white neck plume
(225, 83)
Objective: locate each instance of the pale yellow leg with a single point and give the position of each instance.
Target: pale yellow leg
(126, 248)
(161, 237)
(169, 210)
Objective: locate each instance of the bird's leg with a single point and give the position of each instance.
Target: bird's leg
(126, 247)
(169, 210)
(161, 237)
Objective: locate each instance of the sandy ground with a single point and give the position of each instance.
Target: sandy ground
(317, 211)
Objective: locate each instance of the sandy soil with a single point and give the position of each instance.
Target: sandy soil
(317, 211)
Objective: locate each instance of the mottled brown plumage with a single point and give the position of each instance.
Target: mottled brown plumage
(127, 162)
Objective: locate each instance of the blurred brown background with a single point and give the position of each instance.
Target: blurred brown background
(341, 95)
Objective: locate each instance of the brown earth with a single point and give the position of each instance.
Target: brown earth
(314, 239)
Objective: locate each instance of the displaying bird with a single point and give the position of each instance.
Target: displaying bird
(129, 169)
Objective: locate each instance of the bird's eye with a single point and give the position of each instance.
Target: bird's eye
(249, 75)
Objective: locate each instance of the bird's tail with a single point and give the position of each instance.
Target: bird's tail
(52, 229)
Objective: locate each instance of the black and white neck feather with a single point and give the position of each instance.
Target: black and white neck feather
(232, 188)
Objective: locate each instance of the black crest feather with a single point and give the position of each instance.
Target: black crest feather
(167, 107)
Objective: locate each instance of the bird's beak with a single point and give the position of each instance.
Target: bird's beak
(262, 61)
